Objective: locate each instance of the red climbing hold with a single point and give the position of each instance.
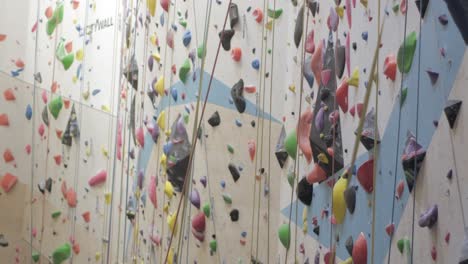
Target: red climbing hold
(258, 14)
(356, 108)
(390, 228)
(342, 95)
(310, 45)
(316, 62)
(390, 66)
(9, 95)
(252, 148)
(86, 216)
(71, 198)
(434, 253)
(360, 250)
(365, 175)
(236, 54)
(4, 120)
(165, 5)
(8, 156)
(8, 182)
(400, 189)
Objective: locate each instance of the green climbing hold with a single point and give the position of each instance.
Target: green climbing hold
(404, 93)
(290, 143)
(207, 209)
(396, 8)
(183, 22)
(406, 53)
(55, 106)
(56, 19)
(227, 198)
(183, 71)
(35, 256)
(213, 245)
(230, 149)
(291, 178)
(51, 24)
(61, 54)
(61, 253)
(67, 61)
(403, 244)
(201, 51)
(56, 214)
(284, 235)
(186, 118)
(275, 13)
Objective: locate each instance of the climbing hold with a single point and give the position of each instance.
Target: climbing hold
(171, 222)
(152, 191)
(429, 217)
(299, 28)
(55, 106)
(151, 5)
(213, 245)
(256, 64)
(97, 179)
(325, 75)
(313, 6)
(309, 44)
(340, 59)
(236, 54)
(8, 156)
(71, 198)
(400, 189)
(390, 228)
(350, 198)
(252, 148)
(284, 235)
(29, 112)
(86, 216)
(233, 15)
(404, 93)
(215, 119)
(237, 94)
(290, 144)
(404, 244)
(199, 226)
(307, 69)
(187, 38)
(305, 192)
(433, 76)
(61, 253)
(390, 65)
(9, 95)
(280, 150)
(365, 175)
(207, 209)
(234, 214)
(360, 250)
(348, 12)
(303, 132)
(406, 53)
(225, 37)
(234, 172)
(354, 79)
(356, 109)
(422, 6)
(369, 135)
(169, 189)
(275, 13)
(316, 62)
(184, 70)
(412, 159)
(55, 18)
(365, 35)
(451, 110)
(342, 95)
(8, 182)
(339, 203)
(258, 14)
(333, 20)
(195, 198)
(227, 198)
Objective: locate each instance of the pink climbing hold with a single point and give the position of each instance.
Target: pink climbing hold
(41, 130)
(250, 89)
(317, 174)
(447, 237)
(152, 192)
(165, 5)
(8, 182)
(356, 108)
(9, 95)
(97, 179)
(333, 19)
(434, 253)
(348, 12)
(326, 74)
(86, 216)
(400, 189)
(365, 175)
(4, 120)
(303, 132)
(390, 228)
(316, 62)
(58, 159)
(44, 96)
(360, 250)
(71, 198)
(403, 6)
(310, 45)
(76, 248)
(258, 14)
(390, 66)
(236, 54)
(170, 39)
(64, 189)
(28, 149)
(252, 148)
(342, 95)
(34, 232)
(140, 136)
(8, 156)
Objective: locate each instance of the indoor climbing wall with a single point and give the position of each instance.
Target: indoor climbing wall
(219, 131)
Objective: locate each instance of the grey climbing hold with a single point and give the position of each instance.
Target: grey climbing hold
(233, 14)
(226, 36)
(299, 28)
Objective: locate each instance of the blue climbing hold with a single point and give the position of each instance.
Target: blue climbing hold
(187, 38)
(364, 35)
(256, 64)
(238, 123)
(28, 112)
(174, 93)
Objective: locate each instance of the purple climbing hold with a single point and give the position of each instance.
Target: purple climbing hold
(429, 218)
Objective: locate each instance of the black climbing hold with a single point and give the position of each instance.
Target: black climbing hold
(350, 198)
(340, 59)
(354, 46)
(234, 214)
(252, 123)
(458, 9)
(313, 6)
(3, 241)
(215, 119)
(450, 174)
(233, 14)
(237, 94)
(131, 73)
(45, 116)
(130, 215)
(369, 135)
(280, 151)
(316, 230)
(179, 155)
(422, 6)
(304, 192)
(349, 245)
(298, 30)
(48, 185)
(324, 94)
(226, 36)
(412, 159)
(72, 130)
(234, 172)
(452, 108)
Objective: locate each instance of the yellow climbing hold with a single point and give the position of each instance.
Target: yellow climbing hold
(156, 57)
(339, 204)
(79, 55)
(153, 39)
(163, 160)
(159, 86)
(347, 261)
(322, 158)
(340, 11)
(166, 208)
(269, 25)
(151, 4)
(354, 80)
(167, 133)
(170, 256)
(292, 88)
(169, 189)
(105, 108)
(162, 120)
(86, 94)
(304, 220)
(104, 151)
(108, 197)
(364, 3)
(97, 256)
(171, 221)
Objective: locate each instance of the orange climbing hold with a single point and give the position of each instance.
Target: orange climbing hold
(365, 175)
(4, 120)
(9, 95)
(250, 89)
(342, 95)
(316, 175)
(390, 66)
(86, 216)
(258, 14)
(400, 189)
(360, 250)
(2, 37)
(236, 54)
(8, 156)
(71, 198)
(8, 182)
